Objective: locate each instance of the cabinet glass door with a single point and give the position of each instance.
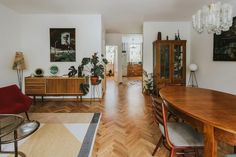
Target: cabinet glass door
(164, 61)
(178, 62)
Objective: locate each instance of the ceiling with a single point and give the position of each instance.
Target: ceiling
(119, 16)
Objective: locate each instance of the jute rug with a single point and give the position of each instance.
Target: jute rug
(60, 135)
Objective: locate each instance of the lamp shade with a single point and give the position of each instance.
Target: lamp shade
(193, 67)
(19, 62)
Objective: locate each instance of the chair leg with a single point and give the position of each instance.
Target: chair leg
(169, 116)
(172, 152)
(158, 145)
(234, 149)
(27, 116)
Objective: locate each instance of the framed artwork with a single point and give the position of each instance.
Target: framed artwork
(62, 45)
(225, 45)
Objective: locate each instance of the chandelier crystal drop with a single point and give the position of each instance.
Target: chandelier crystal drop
(214, 18)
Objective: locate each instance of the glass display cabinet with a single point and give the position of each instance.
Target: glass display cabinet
(169, 63)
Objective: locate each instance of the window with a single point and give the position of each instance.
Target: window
(135, 53)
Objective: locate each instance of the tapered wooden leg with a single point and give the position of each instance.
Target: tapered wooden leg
(27, 116)
(172, 153)
(34, 99)
(158, 145)
(15, 144)
(210, 147)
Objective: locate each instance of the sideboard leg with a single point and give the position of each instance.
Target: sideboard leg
(34, 99)
(81, 98)
(42, 99)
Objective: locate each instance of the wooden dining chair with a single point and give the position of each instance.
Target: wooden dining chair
(176, 136)
(156, 110)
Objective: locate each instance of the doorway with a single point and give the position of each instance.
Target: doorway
(132, 50)
(111, 68)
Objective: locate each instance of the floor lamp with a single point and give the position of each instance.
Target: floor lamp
(192, 82)
(19, 66)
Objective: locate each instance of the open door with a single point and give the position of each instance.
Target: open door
(112, 57)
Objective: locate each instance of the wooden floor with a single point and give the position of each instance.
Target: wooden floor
(127, 128)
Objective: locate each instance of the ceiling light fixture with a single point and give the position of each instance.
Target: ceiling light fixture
(215, 18)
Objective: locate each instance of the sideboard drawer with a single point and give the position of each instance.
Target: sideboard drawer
(34, 85)
(34, 90)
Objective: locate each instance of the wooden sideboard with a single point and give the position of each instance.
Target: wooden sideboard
(54, 86)
(134, 70)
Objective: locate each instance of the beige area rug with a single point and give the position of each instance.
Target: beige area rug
(60, 135)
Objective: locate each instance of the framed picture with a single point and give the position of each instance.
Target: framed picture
(225, 45)
(62, 45)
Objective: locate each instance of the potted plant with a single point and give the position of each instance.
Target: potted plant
(148, 83)
(94, 67)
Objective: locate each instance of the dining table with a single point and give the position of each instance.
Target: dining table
(210, 111)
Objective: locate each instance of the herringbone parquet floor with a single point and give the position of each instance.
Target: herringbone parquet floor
(127, 128)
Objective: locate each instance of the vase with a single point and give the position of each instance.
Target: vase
(159, 36)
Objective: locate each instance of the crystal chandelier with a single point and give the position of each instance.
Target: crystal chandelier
(215, 18)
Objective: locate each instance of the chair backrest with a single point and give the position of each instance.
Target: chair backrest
(160, 113)
(157, 110)
(9, 94)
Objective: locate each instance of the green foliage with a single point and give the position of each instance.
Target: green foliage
(84, 87)
(85, 61)
(94, 66)
(148, 82)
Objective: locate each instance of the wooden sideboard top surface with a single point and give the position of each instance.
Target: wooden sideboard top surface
(54, 77)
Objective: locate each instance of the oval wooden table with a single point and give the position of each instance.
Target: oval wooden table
(212, 111)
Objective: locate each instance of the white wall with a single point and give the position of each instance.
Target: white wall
(35, 41)
(9, 45)
(150, 30)
(30, 34)
(116, 39)
(218, 75)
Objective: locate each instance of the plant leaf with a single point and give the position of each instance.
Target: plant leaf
(85, 61)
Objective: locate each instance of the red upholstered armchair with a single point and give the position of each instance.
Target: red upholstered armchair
(13, 101)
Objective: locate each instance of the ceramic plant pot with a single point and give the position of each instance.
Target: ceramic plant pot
(94, 80)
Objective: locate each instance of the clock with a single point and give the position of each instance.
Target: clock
(39, 72)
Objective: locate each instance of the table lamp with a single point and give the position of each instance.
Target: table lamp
(192, 82)
(19, 66)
